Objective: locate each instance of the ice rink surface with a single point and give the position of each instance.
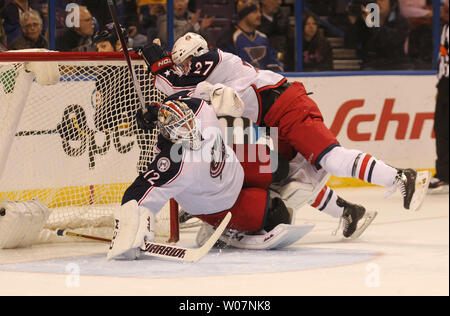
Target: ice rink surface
(401, 253)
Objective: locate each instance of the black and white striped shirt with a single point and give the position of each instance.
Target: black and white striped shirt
(443, 55)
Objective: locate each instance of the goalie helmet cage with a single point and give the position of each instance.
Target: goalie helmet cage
(75, 144)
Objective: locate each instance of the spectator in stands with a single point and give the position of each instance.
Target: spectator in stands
(60, 13)
(128, 15)
(43, 11)
(100, 11)
(148, 18)
(106, 39)
(380, 47)
(126, 11)
(421, 11)
(31, 37)
(11, 14)
(415, 9)
(2, 34)
(2, 42)
(78, 38)
(321, 7)
(419, 46)
(444, 12)
(244, 40)
(275, 24)
(193, 5)
(317, 52)
(136, 38)
(184, 22)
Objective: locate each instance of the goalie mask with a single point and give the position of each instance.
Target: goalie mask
(189, 45)
(177, 123)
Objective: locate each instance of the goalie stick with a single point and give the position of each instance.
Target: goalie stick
(62, 232)
(166, 251)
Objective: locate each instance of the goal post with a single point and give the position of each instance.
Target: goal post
(75, 144)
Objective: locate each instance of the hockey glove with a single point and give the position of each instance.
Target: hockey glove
(147, 121)
(158, 59)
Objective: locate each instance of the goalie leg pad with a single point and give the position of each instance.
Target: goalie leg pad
(133, 225)
(281, 236)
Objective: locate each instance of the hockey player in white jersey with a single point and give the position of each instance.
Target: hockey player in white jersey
(194, 166)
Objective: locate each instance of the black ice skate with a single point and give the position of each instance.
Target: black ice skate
(413, 186)
(352, 215)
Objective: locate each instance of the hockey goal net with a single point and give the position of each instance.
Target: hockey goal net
(75, 144)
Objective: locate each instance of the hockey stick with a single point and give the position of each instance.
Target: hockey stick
(165, 251)
(62, 232)
(113, 10)
(185, 254)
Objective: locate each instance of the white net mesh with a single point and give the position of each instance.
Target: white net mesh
(74, 145)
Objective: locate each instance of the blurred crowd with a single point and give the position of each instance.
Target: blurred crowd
(261, 32)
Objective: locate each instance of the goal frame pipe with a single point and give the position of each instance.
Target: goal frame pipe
(17, 56)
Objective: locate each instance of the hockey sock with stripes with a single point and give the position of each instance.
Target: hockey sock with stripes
(342, 162)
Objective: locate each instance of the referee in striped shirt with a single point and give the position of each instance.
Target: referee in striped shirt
(439, 183)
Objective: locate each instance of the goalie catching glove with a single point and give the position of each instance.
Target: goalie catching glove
(158, 59)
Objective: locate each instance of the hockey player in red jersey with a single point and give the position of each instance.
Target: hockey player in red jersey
(269, 100)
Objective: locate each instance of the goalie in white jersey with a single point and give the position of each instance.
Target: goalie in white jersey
(194, 166)
(270, 101)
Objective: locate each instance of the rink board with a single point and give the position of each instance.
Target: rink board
(390, 117)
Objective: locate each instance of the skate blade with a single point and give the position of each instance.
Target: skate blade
(368, 219)
(422, 183)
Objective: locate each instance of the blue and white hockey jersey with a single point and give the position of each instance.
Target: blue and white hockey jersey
(203, 181)
(217, 66)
